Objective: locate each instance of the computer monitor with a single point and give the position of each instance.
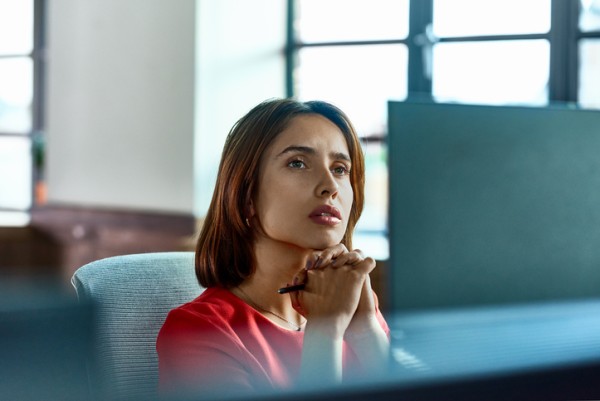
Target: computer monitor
(492, 205)
(494, 232)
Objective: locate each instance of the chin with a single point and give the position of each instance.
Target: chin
(310, 239)
(322, 243)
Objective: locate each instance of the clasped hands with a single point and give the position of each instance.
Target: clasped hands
(337, 295)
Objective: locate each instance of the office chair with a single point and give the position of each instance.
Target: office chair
(132, 295)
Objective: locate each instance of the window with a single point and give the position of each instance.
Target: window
(589, 54)
(493, 52)
(358, 54)
(357, 64)
(20, 114)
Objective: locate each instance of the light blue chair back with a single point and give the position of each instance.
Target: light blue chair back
(132, 295)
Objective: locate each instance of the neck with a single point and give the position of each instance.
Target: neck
(276, 265)
(278, 262)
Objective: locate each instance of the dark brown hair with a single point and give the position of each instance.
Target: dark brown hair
(224, 251)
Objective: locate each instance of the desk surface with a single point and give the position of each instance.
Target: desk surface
(496, 340)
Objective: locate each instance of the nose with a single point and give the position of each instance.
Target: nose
(327, 185)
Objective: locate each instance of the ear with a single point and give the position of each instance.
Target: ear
(251, 210)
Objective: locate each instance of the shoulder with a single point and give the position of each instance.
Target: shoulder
(215, 308)
(205, 325)
(198, 344)
(213, 302)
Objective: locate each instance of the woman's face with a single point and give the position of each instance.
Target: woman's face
(304, 191)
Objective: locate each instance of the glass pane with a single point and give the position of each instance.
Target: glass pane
(370, 234)
(374, 217)
(490, 17)
(14, 219)
(16, 93)
(589, 19)
(502, 72)
(358, 79)
(15, 173)
(589, 78)
(349, 20)
(16, 27)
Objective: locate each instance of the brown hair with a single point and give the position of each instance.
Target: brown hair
(224, 251)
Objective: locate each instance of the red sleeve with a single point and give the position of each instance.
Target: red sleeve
(198, 353)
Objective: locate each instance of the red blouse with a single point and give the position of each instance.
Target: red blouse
(218, 342)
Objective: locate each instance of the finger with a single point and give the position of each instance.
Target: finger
(365, 266)
(360, 252)
(313, 261)
(367, 291)
(300, 277)
(296, 302)
(367, 299)
(296, 296)
(329, 254)
(350, 258)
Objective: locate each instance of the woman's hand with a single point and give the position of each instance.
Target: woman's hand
(364, 333)
(337, 287)
(339, 303)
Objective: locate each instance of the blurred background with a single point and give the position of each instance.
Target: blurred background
(113, 113)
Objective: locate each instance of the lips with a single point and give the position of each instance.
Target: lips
(326, 215)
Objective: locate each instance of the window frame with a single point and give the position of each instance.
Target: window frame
(564, 37)
(35, 134)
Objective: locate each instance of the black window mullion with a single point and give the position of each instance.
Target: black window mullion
(38, 56)
(37, 123)
(563, 82)
(290, 49)
(421, 16)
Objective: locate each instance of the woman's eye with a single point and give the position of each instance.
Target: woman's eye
(341, 170)
(296, 164)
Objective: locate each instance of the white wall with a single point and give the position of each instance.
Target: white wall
(240, 62)
(120, 103)
(142, 93)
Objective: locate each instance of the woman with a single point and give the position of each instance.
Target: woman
(288, 195)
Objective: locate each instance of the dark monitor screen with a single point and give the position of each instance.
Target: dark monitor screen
(494, 230)
(492, 205)
(46, 344)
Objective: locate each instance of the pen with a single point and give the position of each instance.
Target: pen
(292, 288)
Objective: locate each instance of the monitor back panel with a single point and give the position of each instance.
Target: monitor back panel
(492, 205)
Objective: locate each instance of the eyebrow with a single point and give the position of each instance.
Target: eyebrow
(312, 151)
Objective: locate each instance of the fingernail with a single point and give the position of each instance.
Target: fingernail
(318, 262)
(308, 264)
